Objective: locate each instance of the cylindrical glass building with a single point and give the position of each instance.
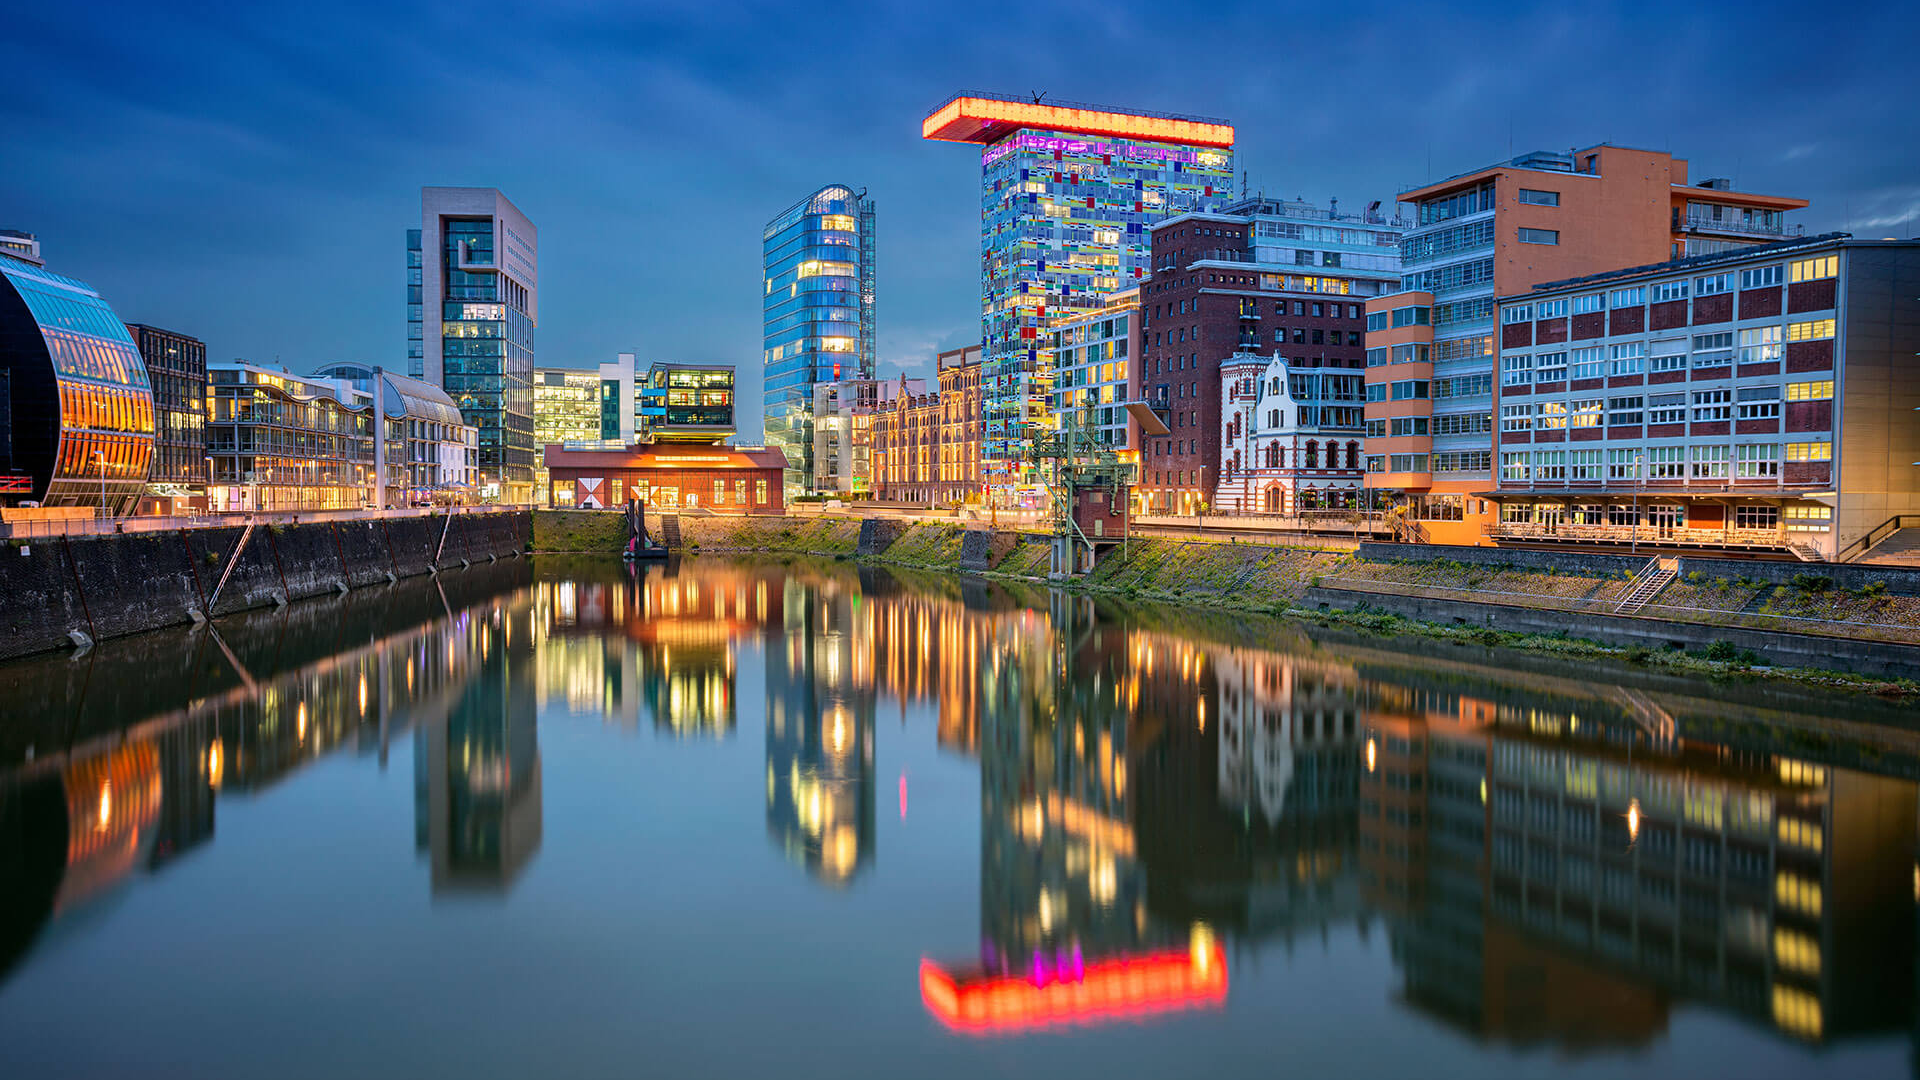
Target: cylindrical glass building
(818, 314)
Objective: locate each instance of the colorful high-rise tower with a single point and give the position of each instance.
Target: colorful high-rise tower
(1067, 192)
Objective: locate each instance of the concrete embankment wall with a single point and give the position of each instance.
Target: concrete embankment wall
(1862, 657)
(110, 586)
(1901, 580)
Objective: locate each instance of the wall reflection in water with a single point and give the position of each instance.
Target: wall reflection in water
(119, 774)
(1552, 857)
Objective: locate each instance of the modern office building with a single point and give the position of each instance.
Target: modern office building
(280, 441)
(21, 245)
(1067, 195)
(1498, 231)
(818, 313)
(177, 374)
(76, 412)
(1262, 280)
(473, 296)
(1760, 399)
(430, 455)
(843, 437)
(619, 400)
(566, 409)
(1092, 348)
(687, 403)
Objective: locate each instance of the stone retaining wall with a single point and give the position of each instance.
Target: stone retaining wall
(1877, 658)
(109, 586)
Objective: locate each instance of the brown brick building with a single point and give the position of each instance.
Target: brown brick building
(1262, 278)
(926, 444)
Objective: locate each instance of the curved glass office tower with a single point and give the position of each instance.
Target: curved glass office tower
(818, 314)
(76, 411)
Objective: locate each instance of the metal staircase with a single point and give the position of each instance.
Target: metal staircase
(1653, 577)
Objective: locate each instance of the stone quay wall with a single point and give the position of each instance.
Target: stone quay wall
(62, 591)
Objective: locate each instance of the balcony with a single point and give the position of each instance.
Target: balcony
(1669, 536)
(1734, 226)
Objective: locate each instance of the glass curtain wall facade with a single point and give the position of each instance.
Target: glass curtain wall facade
(177, 372)
(76, 410)
(566, 409)
(282, 442)
(478, 306)
(1067, 193)
(818, 314)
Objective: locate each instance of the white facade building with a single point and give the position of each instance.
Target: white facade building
(1288, 439)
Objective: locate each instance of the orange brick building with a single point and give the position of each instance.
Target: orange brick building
(668, 476)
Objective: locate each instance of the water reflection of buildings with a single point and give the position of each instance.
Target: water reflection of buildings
(657, 636)
(820, 716)
(477, 799)
(1059, 878)
(78, 823)
(1566, 869)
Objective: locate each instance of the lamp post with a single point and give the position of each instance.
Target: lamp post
(1637, 459)
(101, 456)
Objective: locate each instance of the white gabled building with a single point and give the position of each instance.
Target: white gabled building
(1289, 441)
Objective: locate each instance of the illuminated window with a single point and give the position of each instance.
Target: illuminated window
(1796, 951)
(1811, 330)
(841, 222)
(1798, 893)
(1825, 266)
(1810, 451)
(1795, 832)
(1796, 1011)
(1816, 390)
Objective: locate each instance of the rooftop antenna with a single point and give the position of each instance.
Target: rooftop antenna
(1037, 95)
(1243, 183)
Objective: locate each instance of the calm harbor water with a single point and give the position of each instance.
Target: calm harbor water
(563, 818)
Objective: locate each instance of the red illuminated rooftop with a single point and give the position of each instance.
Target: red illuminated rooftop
(987, 118)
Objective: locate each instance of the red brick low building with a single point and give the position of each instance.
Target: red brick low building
(668, 476)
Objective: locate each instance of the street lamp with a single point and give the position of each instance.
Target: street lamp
(1637, 459)
(101, 455)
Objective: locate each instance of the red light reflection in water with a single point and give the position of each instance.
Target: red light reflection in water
(1122, 988)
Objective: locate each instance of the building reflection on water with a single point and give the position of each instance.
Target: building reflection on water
(820, 718)
(1551, 859)
(476, 774)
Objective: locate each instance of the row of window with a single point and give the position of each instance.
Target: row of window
(1760, 344)
(1708, 406)
(1674, 516)
(1717, 461)
(1757, 277)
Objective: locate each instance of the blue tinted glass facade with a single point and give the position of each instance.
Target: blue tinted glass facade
(76, 407)
(818, 314)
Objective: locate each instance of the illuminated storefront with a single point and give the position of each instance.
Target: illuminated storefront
(76, 411)
(668, 476)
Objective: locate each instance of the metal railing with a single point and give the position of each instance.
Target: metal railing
(1703, 223)
(51, 528)
(1756, 538)
(1878, 533)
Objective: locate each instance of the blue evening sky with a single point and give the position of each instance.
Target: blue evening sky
(244, 172)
